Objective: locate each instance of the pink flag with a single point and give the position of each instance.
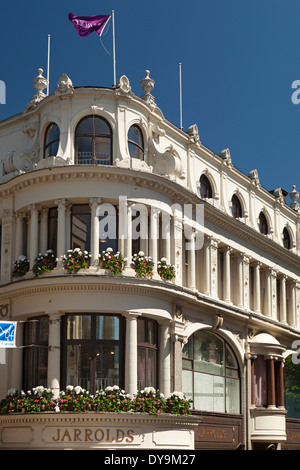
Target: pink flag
(85, 25)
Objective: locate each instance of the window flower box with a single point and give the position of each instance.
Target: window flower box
(114, 262)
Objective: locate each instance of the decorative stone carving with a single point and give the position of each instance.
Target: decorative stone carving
(133, 164)
(294, 195)
(64, 84)
(39, 83)
(123, 85)
(168, 164)
(253, 175)
(226, 157)
(23, 160)
(147, 85)
(193, 134)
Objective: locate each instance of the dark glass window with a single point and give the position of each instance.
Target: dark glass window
(35, 357)
(93, 141)
(236, 207)
(205, 187)
(210, 374)
(263, 224)
(147, 353)
(136, 143)
(81, 227)
(93, 351)
(52, 230)
(51, 140)
(286, 239)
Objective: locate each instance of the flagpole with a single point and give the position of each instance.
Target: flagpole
(48, 65)
(180, 95)
(114, 47)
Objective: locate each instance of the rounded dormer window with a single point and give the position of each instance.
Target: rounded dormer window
(136, 143)
(263, 224)
(286, 239)
(51, 141)
(93, 141)
(205, 187)
(236, 207)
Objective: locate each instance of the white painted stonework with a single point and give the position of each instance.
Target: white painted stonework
(96, 431)
(238, 284)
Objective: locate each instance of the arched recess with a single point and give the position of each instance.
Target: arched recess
(211, 372)
(287, 237)
(207, 186)
(97, 112)
(238, 205)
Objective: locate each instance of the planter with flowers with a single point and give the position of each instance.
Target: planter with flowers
(111, 399)
(143, 265)
(44, 263)
(165, 270)
(20, 267)
(75, 260)
(114, 262)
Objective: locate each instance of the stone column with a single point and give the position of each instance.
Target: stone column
(19, 235)
(240, 289)
(94, 204)
(273, 293)
(191, 262)
(131, 384)
(207, 290)
(164, 359)
(154, 236)
(54, 354)
(267, 306)
(128, 237)
(283, 317)
(44, 230)
(292, 319)
(61, 230)
(280, 382)
(177, 247)
(34, 234)
(226, 274)
(256, 287)
(271, 383)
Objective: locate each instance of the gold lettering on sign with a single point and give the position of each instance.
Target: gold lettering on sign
(92, 435)
(213, 434)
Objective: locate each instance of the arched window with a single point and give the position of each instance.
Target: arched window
(205, 187)
(210, 374)
(286, 239)
(263, 224)
(51, 140)
(136, 142)
(236, 207)
(93, 141)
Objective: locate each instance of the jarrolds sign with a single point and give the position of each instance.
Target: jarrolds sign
(95, 434)
(96, 430)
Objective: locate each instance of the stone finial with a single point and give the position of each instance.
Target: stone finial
(39, 83)
(294, 195)
(147, 85)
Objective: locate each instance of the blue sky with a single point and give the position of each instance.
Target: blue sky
(239, 60)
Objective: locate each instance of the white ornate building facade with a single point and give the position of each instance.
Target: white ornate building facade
(221, 331)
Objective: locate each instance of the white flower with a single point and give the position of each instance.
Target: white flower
(109, 389)
(163, 260)
(141, 253)
(69, 388)
(148, 390)
(115, 387)
(78, 389)
(109, 249)
(178, 394)
(11, 391)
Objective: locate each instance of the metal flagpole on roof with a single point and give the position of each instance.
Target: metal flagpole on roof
(48, 65)
(180, 95)
(114, 47)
